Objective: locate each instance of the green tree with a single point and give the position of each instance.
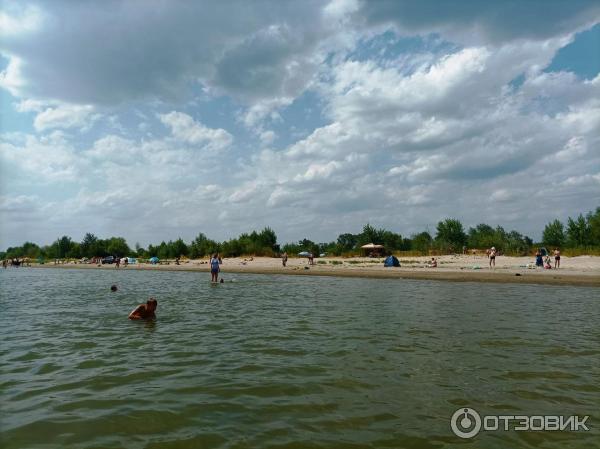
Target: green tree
(139, 250)
(578, 232)
(593, 222)
(450, 234)
(201, 246)
(163, 250)
(421, 242)
(554, 234)
(370, 235)
(117, 246)
(347, 241)
(267, 238)
(89, 245)
(61, 247)
(391, 240)
(482, 236)
(517, 244)
(179, 248)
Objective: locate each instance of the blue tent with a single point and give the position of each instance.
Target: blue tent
(391, 261)
(153, 260)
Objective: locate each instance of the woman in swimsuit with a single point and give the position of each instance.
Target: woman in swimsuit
(214, 268)
(493, 257)
(556, 258)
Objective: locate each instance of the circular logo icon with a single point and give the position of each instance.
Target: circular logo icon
(465, 423)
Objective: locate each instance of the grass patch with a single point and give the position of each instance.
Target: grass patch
(336, 262)
(574, 252)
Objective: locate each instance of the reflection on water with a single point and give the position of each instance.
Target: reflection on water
(288, 362)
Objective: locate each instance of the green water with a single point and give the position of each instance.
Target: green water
(289, 361)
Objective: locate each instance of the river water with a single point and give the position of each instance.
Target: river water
(289, 361)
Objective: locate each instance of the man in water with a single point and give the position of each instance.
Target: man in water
(144, 311)
(214, 268)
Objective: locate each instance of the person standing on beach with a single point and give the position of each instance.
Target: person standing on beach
(493, 257)
(214, 268)
(284, 258)
(539, 261)
(556, 258)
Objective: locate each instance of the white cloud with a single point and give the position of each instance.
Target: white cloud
(11, 77)
(267, 137)
(23, 20)
(65, 116)
(398, 140)
(49, 157)
(490, 22)
(186, 129)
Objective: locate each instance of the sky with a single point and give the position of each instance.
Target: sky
(155, 119)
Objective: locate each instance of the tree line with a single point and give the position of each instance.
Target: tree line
(582, 233)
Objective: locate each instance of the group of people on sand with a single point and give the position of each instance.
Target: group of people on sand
(15, 262)
(547, 262)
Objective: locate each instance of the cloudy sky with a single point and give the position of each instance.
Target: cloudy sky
(156, 119)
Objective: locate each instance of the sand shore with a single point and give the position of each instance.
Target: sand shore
(582, 270)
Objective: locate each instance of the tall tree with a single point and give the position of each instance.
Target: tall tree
(578, 233)
(347, 241)
(554, 234)
(450, 234)
(593, 221)
(89, 245)
(117, 246)
(422, 242)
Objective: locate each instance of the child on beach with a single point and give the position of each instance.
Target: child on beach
(144, 311)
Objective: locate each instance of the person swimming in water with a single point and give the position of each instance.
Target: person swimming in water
(144, 311)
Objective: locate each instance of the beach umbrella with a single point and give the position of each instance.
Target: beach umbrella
(371, 246)
(304, 254)
(154, 259)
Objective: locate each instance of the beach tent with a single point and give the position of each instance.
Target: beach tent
(131, 260)
(153, 260)
(391, 261)
(372, 248)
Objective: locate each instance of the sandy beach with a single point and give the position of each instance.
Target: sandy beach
(581, 270)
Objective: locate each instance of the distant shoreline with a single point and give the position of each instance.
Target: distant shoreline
(589, 276)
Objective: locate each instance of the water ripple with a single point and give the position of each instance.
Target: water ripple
(287, 362)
